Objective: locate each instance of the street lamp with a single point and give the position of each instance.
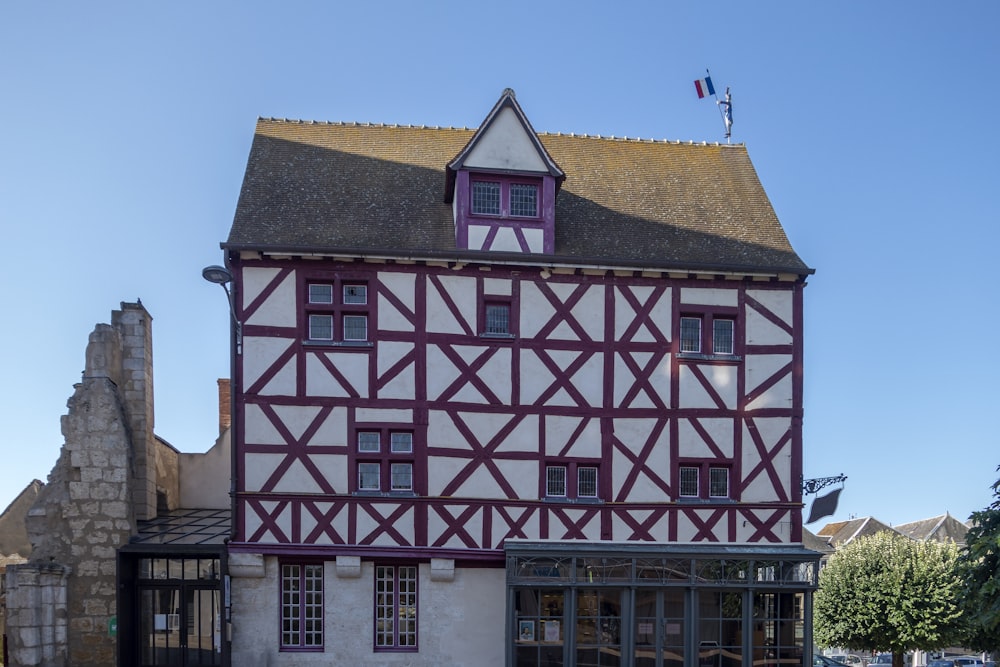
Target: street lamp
(220, 275)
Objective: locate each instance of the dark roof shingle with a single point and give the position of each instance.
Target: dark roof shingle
(355, 188)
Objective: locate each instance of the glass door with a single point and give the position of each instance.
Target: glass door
(179, 614)
(179, 626)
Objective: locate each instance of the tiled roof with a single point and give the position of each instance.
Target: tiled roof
(939, 529)
(844, 532)
(379, 189)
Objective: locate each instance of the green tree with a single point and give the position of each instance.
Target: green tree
(886, 592)
(980, 567)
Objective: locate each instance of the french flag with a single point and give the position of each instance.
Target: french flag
(704, 87)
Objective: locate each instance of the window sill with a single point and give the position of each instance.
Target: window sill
(385, 494)
(486, 217)
(573, 501)
(346, 344)
(697, 356)
(498, 337)
(691, 500)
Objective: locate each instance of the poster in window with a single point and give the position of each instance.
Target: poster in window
(551, 630)
(526, 631)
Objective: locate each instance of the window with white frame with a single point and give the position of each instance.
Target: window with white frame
(302, 606)
(384, 460)
(396, 607)
(505, 197)
(703, 480)
(337, 311)
(571, 480)
(713, 334)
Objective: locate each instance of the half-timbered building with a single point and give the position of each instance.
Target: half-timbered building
(513, 398)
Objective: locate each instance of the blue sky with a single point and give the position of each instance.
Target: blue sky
(126, 128)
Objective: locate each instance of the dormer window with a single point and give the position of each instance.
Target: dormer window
(504, 198)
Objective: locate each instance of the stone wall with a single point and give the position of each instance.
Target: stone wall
(60, 603)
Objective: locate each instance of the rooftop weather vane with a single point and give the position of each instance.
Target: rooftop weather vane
(704, 88)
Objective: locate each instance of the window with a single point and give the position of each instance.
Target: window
(301, 606)
(396, 607)
(555, 481)
(690, 334)
(586, 482)
(571, 481)
(523, 200)
(497, 319)
(689, 482)
(722, 336)
(337, 312)
(385, 468)
(708, 334)
(504, 197)
(486, 198)
(718, 482)
(706, 481)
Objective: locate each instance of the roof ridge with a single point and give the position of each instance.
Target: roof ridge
(350, 123)
(641, 140)
(575, 135)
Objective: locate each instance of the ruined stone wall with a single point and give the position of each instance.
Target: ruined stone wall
(60, 603)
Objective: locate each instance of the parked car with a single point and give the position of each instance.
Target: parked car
(941, 663)
(823, 661)
(849, 659)
(968, 661)
(882, 659)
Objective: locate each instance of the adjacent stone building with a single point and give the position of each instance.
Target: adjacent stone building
(113, 495)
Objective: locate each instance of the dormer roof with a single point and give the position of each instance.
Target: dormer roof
(504, 142)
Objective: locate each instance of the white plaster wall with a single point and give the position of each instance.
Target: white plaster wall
(505, 145)
(692, 445)
(634, 433)
(402, 286)
(771, 432)
(692, 393)
(705, 296)
(497, 287)
(760, 368)
(460, 623)
(462, 291)
(259, 354)
(625, 313)
(352, 365)
(779, 302)
(278, 310)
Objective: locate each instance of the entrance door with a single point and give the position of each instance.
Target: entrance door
(178, 615)
(179, 625)
(659, 627)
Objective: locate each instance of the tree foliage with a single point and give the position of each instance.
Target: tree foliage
(980, 568)
(886, 592)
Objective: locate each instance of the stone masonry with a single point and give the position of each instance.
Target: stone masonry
(60, 602)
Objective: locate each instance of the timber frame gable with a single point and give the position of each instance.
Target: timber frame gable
(503, 185)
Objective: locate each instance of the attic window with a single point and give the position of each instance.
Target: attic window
(505, 198)
(486, 198)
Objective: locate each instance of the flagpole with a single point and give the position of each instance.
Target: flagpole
(722, 114)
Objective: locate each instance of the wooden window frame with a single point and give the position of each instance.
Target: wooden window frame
(389, 607)
(571, 480)
(505, 183)
(306, 574)
(707, 338)
(704, 469)
(336, 309)
(388, 454)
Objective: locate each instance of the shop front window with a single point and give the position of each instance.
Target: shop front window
(539, 626)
